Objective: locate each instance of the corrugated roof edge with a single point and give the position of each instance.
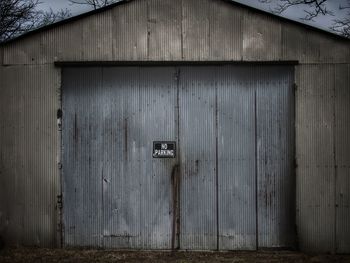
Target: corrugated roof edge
(71, 19)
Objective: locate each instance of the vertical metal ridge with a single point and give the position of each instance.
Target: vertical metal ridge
(118, 110)
(334, 248)
(261, 37)
(217, 163)
(342, 162)
(256, 174)
(196, 29)
(274, 156)
(236, 158)
(130, 31)
(178, 158)
(197, 116)
(28, 125)
(31, 220)
(225, 44)
(97, 36)
(164, 30)
(315, 156)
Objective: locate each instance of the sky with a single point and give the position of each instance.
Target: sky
(293, 13)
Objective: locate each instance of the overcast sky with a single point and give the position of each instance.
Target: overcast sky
(295, 13)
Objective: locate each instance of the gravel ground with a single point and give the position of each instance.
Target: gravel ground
(72, 255)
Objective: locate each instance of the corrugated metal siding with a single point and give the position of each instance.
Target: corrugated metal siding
(164, 30)
(236, 158)
(29, 180)
(98, 37)
(315, 157)
(195, 29)
(1, 56)
(198, 158)
(177, 30)
(225, 44)
(261, 38)
(115, 193)
(205, 36)
(130, 31)
(275, 156)
(256, 141)
(342, 157)
(3, 178)
(82, 184)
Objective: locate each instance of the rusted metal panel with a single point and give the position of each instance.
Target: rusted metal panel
(197, 143)
(81, 166)
(29, 174)
(315, 157)
(157, 116)
(342, 157)
(275, 157)
(261, 38)
(256, 189)
(164, 30)
(130, 31)
(236, 158)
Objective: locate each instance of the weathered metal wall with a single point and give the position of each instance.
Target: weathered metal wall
(180, 30)
(116, 195)
(342, 157)
(275, 156)
(200, 30)
(28, 154)
(197, 145)
(322, 110)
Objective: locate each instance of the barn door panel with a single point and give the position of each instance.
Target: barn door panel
(137, 193)
(236, 159)
(197, 158)
(275, 155)
(81, 167)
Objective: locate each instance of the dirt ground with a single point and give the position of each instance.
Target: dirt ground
(69, 255)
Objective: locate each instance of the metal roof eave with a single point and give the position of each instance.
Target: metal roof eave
(86, 14)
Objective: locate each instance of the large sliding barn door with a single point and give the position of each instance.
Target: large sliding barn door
(231, 183)
(115, 193)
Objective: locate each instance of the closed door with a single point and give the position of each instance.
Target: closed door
(231, 183)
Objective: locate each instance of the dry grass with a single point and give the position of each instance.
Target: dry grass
(74, 255)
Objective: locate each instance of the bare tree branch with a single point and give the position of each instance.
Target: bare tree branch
(95, 4)
(316, 8)
(20, 16)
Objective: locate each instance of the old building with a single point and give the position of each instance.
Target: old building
(252, 111)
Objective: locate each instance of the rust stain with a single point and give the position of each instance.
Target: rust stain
(76, 130)
(126, 137)
(175, 183)
(197, 167)
(125, 235)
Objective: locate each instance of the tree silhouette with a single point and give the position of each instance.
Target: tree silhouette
(20, 16)
(317, 8)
